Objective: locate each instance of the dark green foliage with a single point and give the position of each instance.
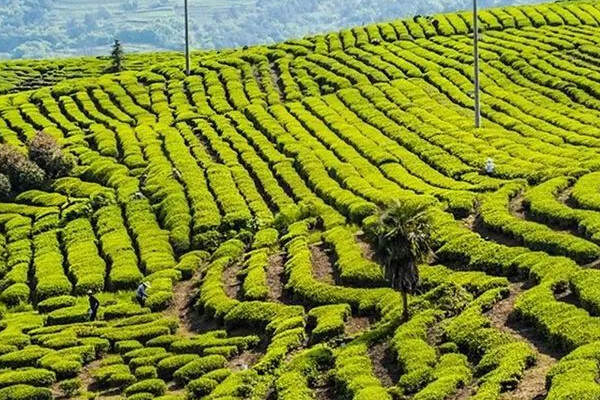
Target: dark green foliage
(449, 298)
(5, 188)
(402, 241)
(116, 56)
(45, 151)
(22, 173)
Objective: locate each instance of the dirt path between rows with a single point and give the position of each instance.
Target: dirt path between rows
(277, 81)
(516, 206)
(322, 264)
(473, 223)
(275, 278)
(246, 359)
(191, 322)
(565, 195)
(356, 325)
(88, 383)
(365, 247)
(533, 383)
(385, 367)
(464, 392)
(232, 283)
(324, 389)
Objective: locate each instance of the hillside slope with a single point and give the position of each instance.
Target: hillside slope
(49, 28)
(244, 194)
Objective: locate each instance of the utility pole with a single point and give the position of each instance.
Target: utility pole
(476, 64)
(187, 38)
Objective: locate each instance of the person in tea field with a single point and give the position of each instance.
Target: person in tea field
(140, 293)
(94, 305)
(489, 166)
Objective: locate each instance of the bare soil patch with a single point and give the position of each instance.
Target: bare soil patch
(232, 282)
(325, 393)
(88, 384)
(114, 394)
(565, 195)
(464, 393)
(277, 81)
(174, 389)
(244, 360)
(257, 77)
(323, 389)
(516, 206)
(533, 382)
(367, 250)
(356, 325)
(275, 278)
(322, 262)
(87, 381)
(191, 322)
(384, 366)
(501, 311)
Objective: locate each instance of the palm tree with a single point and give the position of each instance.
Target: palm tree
(402, 238)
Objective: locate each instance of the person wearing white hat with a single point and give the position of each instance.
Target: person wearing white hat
(140, 293)
(489, 166)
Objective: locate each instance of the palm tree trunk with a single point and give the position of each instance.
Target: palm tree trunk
(404, 305)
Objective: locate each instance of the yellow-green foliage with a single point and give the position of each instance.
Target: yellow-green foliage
(245, 194)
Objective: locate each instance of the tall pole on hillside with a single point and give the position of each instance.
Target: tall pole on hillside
(476, 64)
(187, 38)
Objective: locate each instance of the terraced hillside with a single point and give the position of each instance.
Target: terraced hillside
(242, 194)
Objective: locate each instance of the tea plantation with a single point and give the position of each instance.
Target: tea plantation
(244, 194)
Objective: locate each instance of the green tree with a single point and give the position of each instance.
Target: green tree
(117, 56)
(402, 241)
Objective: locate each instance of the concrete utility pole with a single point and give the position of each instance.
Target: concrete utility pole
(187, 38)
(476, 64)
